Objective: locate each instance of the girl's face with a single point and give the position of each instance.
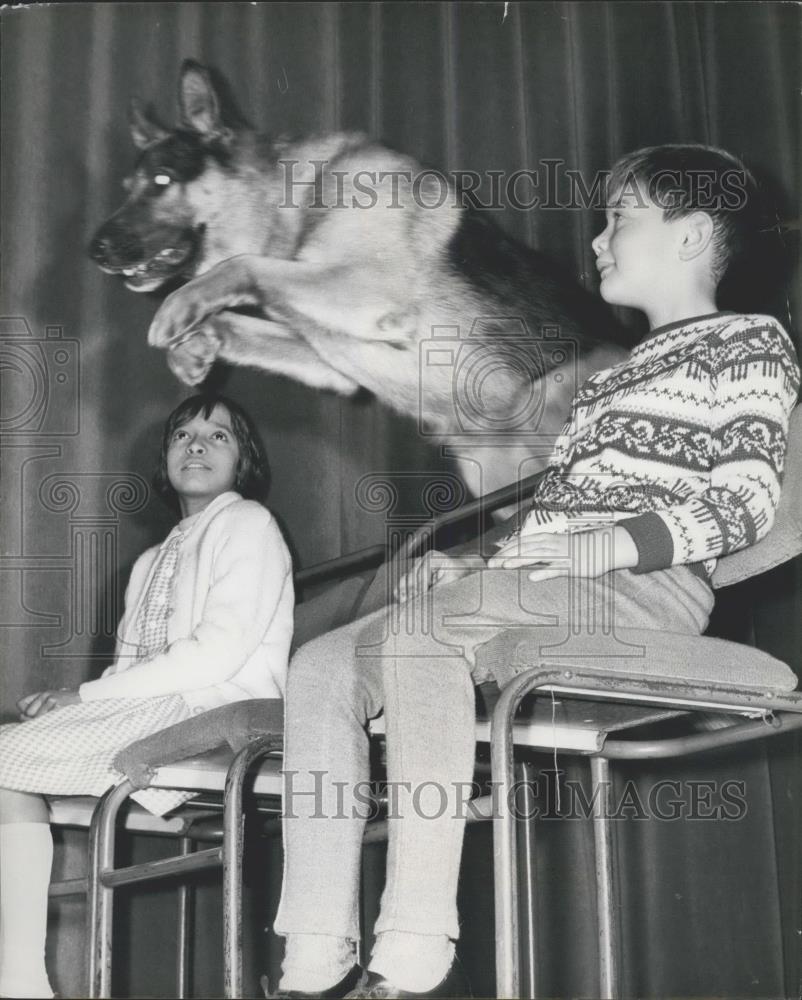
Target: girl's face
(202, 459)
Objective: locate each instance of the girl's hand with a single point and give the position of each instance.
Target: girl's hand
(433, 568)
(42, 702)
(584, 554)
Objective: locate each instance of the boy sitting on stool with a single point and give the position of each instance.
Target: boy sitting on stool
(679, 449)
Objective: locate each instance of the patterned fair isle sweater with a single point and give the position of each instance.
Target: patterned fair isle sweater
(682, 444)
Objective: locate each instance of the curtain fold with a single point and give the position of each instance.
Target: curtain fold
(487, 87)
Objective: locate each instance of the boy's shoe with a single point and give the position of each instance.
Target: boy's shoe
(375, 987)
(336, 992)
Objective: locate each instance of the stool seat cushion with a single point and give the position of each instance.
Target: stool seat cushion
(235, 724)
(636, 653)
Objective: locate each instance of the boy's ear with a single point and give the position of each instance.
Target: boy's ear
(697, 235)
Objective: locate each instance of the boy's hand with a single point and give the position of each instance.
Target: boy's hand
(42, 702)
(584, 554)
(435, 567)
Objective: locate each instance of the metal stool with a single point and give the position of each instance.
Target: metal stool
(219, 771)
(783, 709)
(682, 672)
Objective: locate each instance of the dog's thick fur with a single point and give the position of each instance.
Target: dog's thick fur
(352, 276)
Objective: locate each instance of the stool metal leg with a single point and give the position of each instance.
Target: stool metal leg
(233, 843)
(526, 805)
(183, 945)
(609, 987)
(505, 866)
(99, 896)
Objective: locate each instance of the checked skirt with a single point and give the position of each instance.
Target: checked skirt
(69, 751)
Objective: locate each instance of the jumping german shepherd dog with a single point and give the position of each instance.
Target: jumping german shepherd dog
(355, 268)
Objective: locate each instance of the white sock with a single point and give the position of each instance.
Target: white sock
(26, 857)
(413, 962)
(315, 962)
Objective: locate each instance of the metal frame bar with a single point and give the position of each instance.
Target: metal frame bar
(784, 709)
(354, 562)
(233, 844)
(606, 915)
(184, 922)
(100, 897)
(526, 860)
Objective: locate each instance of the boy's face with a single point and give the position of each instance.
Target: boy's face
(637, 252)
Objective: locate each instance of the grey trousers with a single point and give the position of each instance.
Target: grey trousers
(416, 663)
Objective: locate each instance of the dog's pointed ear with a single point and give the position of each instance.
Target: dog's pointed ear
(199, 103)
(144, 129)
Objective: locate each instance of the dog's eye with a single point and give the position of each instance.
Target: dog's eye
(162, 180)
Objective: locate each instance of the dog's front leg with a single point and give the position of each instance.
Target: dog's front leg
(273, 347)
(354, 296)
(346, 298)
(183, 313)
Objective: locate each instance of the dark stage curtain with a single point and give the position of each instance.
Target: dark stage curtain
(710, 908)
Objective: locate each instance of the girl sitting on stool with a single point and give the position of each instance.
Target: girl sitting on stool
(208, 620)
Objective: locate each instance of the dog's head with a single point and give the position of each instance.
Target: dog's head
(159, 235)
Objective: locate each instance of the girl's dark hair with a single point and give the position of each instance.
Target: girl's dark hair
(252, 469)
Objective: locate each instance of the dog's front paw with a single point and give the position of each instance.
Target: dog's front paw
(186, 310)
(192, 359)
(179, 317)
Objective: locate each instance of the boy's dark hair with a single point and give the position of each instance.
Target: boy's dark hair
(686, 178)
(252, 469)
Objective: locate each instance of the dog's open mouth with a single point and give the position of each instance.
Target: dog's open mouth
(167, 264)
(160, 267)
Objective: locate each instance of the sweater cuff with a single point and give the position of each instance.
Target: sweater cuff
(653, 541)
